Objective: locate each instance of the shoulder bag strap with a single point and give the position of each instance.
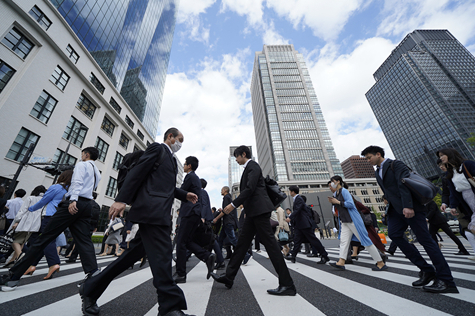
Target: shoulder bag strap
(94, 173)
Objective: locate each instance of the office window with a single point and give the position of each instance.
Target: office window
(72, 54)
(107, 126)
(6, 73)
(129, 121)
(40, 17)
(59, 78)
(21, 144)
(111, 187)
(136, 148)
(85, 105)
(58, 157)
(75, 132)
(367, 200)
(44, 107)
(139, 134)
(148, 143)
(115, 105)
(96, 83)
(124, 140)
(364, 192)
(103, 147)
(18, 43)
(117, 160)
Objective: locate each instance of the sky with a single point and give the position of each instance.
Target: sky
(207, 90)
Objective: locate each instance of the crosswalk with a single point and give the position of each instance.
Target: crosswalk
(322, 290)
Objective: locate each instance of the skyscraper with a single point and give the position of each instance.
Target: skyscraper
(131, 41)
(356, 167)
(424, 98)
(292, 139)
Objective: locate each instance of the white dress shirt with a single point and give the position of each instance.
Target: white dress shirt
(82, 184)
(14, 206)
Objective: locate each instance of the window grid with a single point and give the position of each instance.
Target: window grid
(21, 144)
(72, 54)
(103, 147)
(75, 132)
(40, 17)
(59, 78)
(96, 83)
(6, 73)
(117, 160)
(86, 106)
(44, 107)
(140, 135)
(115, 105)
(111, 187)
(107, 126)
(18, 43)
(124, 141)
(129, 121)
(58, 156)
(136, 148)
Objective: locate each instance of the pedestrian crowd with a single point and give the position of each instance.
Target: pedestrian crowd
(40, 223)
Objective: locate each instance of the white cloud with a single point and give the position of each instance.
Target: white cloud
(189, 13)
(271, 36)
(209, 106)
(340, 82)
(252, 9)
(405, 16)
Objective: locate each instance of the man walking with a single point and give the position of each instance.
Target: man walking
(403, 211)
(191, 215)
(304, 227)
(230, 222)
(75, 212)
(258, 207)
(150, 189)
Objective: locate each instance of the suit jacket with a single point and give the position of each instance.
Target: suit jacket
(206, 212)
(151, 192)
(253, 194)
(396, 192)
(434, 215)
(230, 218)
(301, 217)
(191, 184)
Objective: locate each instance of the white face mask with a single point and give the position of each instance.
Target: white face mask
(176, 146)
(333, 185)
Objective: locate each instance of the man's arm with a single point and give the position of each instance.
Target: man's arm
(299, 205)
(401, 172)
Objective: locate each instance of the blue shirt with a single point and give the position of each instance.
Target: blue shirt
(52, 197)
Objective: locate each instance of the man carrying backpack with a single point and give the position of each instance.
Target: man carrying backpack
(150, 189)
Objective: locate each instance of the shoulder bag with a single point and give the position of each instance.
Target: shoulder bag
(6, 241)
(274, 192)
(470, 177)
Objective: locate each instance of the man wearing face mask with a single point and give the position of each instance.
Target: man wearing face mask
(150, 189)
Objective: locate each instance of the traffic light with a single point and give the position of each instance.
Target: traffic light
(52, 170)
(311, 205)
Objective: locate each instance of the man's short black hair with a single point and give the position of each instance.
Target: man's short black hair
(373, 150)
(92, 151)
(294, 188)
(20, 193)
(213, 208)
(172, 130)
(204, 183)
(384, 197)
(242, 149)
(192, 161)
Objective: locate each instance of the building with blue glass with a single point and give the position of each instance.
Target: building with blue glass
(424, 99)
(131, 41)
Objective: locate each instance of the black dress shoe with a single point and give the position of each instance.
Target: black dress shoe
(179, 279)
(333, 264)
(462, 253)
(284, 291)
(177, 313)
(223, 279)
(440, 286)
(290, 258)
(219, 266)
(310, 255)
(210, 264)
(424, 278)
(390, 252)
(324, 260)
(69, 261)
(89, 305)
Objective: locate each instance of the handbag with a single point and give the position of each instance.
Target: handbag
(273, 223)
(283, 235)
(470, 177)
(6, 241)
(421, 188)
(117, 226)
(274, 192)
(367, 219)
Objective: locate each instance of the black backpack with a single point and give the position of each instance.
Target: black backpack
(130, 161)
(316, 217)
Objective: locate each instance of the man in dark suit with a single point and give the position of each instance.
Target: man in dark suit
(404, 211)
(191, 215)
(258, 207)
(304, 227)
(230, 223)
(150, 189)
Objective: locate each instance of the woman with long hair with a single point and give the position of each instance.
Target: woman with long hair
(25, 223)
(461, 182)
(351, 224)
(51, 199)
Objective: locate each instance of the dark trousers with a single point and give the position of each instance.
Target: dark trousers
(218, 252)
(188, 226)
(433, 229)
(307, 234)
(50, 251)
(75, 252)
(397, 225)
(227, 231)
(261, 225)
(79, 226)
(153, 241)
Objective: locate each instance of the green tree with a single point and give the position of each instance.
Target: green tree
(471, 139)
(438, 200)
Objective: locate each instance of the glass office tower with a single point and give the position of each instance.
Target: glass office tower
(424, 98)
(292, 139)
(131, 41)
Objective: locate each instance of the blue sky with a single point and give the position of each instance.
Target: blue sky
(207, 89)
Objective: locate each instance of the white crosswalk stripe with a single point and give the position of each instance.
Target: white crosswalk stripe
(352, 291)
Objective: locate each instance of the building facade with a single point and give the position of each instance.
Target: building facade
(234, 169)
(292, 139)
(131, 41)
(424, 99)
(357, 167)
(53, 94)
